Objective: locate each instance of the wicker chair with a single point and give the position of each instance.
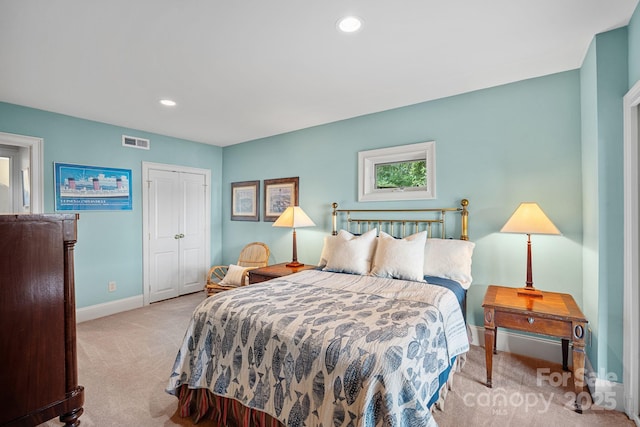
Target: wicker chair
(253, 255)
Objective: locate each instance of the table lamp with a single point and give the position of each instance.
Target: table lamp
(529, 219)
(294, 217)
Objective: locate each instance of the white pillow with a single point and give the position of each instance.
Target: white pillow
(400, 258)
(234, 276)
(327, 249)
(450, 259)
(351, 254)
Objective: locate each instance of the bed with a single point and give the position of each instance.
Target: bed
(371, 337)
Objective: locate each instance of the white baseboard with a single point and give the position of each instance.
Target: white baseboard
(108, 308)
(603, 392)
(527, 345)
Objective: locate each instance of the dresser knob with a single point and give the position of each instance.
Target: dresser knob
(530, 320)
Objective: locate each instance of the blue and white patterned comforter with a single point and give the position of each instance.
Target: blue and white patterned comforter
(325, 349)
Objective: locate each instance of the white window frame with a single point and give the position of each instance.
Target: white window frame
(367, 161)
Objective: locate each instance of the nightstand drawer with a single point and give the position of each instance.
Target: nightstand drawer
(533, 323)
(269, 272)
(257, 278)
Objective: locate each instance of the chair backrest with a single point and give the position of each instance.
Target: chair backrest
(255, 254)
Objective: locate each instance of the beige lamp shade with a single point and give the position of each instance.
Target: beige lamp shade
(293, 217)
(529, 219)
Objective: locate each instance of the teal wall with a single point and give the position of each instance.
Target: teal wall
(109, 244)
(497, 147)
(634, 48)
(590, 211)
(604, 81)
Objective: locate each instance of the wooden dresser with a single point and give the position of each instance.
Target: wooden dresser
(38, 363)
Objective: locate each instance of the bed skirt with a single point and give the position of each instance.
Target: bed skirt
(200, 404)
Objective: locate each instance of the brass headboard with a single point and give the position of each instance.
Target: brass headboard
(388, 220)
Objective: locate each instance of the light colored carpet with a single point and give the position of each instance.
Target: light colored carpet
(519, 397)
(124, 363)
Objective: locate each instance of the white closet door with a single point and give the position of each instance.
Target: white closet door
(177, 241)
(164, 234)
(192, 227)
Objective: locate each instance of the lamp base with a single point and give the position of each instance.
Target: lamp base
(529, 291)
(295, 264)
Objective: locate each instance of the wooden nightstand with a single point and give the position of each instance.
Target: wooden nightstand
(262, 274)
(554, 314)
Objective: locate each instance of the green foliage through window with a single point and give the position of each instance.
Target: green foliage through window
(401, 174)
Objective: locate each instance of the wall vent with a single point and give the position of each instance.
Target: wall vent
(133, 142)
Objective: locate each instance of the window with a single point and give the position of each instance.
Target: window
(400, 175)
(406, 172)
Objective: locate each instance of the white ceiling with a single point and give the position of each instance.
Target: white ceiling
(245, 69)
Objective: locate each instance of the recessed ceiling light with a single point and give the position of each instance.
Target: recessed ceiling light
(168, 103)
(349, 24)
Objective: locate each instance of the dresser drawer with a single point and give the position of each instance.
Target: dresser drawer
(533, 323)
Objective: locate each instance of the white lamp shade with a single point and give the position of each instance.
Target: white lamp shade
(529, 219)
(293, 217)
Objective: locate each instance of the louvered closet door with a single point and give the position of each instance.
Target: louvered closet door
(176, 233)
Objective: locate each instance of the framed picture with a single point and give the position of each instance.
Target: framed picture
(245, 201)
(279, 194)
(91, 188)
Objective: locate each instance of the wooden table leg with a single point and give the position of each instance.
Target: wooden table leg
(565, 354)
(495, 341)
(489, 342)
(489, 339)
(578, 364)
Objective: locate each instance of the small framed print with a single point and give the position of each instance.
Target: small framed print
(244, 201)
(279, 194)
